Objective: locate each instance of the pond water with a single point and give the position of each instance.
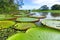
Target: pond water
(48, 15)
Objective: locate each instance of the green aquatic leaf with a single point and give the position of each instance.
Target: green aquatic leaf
(51, 23)
(26, 19)
(37, 34)
(19, 36)
(5, 17)
(9, 17)
(37, 17)
(6, 24)
(44, 34)
(24, 26)
(2, 17)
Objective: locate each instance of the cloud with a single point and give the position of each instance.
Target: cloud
(29, 7)
(46, 2)
(35, 4)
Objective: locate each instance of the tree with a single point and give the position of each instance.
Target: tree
(55, 7)
(44, 7)
(8, 6)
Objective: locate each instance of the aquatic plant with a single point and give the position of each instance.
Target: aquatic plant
(26, 19)
(24, 26)
(37, 34)
(53, 23)
(6, 24)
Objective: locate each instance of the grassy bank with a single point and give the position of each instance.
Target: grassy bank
(53, 11)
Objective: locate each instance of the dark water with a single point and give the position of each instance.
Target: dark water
(48, 15)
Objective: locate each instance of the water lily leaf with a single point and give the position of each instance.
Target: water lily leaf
(6, 24)
(51, 23)
(9, 17)
(40, 17)
(26, 19)
(2, 17)
(37, 34)
(24, 26)
(19, 36)
(44, 34)
(5, 17)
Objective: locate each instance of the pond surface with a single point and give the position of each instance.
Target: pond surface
(48, 15)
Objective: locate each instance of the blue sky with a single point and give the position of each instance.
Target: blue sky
(35, 4)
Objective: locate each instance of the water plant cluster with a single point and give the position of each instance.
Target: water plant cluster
(24, 28)
(11, 24)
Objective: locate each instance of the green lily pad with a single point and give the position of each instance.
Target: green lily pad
(2, 17)
(20, 15)
(37, 34)
(44, 34)
(38, 17)
(5, 17)
(9, 17)
(6, 24)
(51, 23)
(26, 19)
(24, 26)
(19, 36)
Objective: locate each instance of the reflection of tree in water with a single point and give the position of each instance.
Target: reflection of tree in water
(55, 14)
(44, 13)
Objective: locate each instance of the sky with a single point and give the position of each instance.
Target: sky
(35, 4)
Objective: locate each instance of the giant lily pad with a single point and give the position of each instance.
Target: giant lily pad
(6, 24)
(19, 36)
(38, 17)
(10, 17)
(5, 17)
(44, 34)
(21, 15)
(26, 19)
(37, 34)
(2, 17)
(24, 26)
(51, 23)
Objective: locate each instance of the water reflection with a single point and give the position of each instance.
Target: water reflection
(55, 14)
(48, 15)
(43, 13)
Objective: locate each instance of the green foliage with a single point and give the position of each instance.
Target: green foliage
(44, 7)
(7, 6)
(6, 24)
(37, 34)
(55, 7)
(53, 11)
(24, 26)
